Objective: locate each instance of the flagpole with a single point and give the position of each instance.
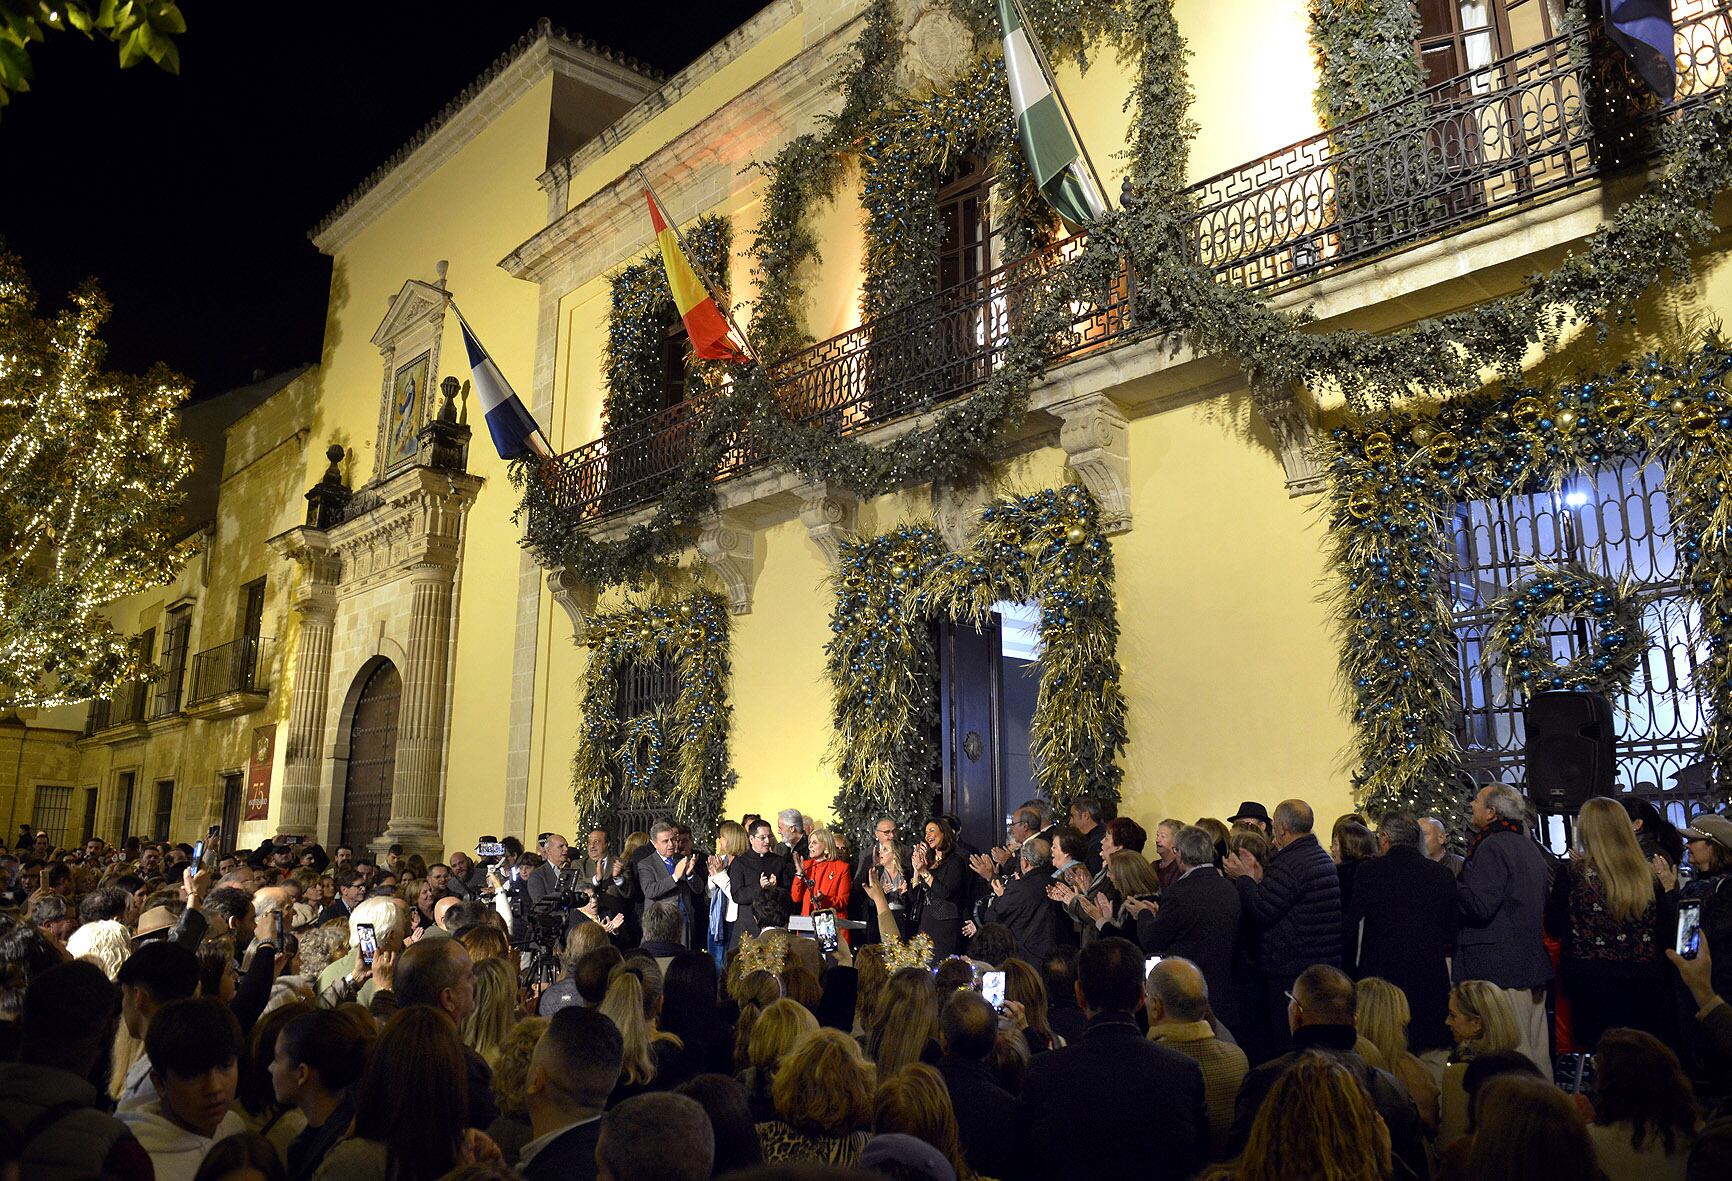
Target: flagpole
(537, 441)
(1082, 145)
(692, 260)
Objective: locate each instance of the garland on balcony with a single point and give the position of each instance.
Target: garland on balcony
(1047, 547)
(692, 733)
(1392, 481)
(1365, 56)
(1653, 235)
(641, 311)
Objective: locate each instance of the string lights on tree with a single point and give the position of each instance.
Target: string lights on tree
(91, 466)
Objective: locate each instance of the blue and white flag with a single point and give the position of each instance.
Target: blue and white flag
(1643, 29)
(512, 426)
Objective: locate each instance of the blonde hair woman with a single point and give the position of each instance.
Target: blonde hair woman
(778, 1029)
(511, 1131)
(1612, 967)
(1383, 1017)
(916, 1102)
(1481, 1021)
(730, 843)
(489, 1022)
(905, 1027)
(632, 1003)
(1317, 1123)
(823, 1093)
(1132, 876)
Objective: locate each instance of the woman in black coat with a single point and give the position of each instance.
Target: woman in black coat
(942, 872)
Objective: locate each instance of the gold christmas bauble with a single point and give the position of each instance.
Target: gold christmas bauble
(1075, 534)
(1378, 447)
(1420, 435)
(1527, 413)
(1697, 420)
(1566, 419)
(1617, 408)
(1362, 506)
(1445, 448)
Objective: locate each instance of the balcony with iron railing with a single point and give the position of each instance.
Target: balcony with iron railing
(1490, 142)
(127, 705)
(232, 678)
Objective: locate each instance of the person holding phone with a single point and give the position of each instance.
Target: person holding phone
(1708, 843)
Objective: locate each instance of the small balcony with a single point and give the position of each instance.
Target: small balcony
(121, 714)
(1496, 140)
(230, 679)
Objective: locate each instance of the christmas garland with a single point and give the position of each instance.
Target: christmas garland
(1392, 482)
(1519, 645)
(1651, 236)
(641, 311)
(1046, 548)
(693, 632)
(1365, 56)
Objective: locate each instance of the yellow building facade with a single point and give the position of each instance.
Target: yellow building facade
(424, 671)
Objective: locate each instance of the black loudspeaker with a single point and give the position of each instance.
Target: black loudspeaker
(1571, 753)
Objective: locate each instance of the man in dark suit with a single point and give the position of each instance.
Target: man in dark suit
(555, 871)
(1197, 919)
(1088, 817)
(603, 874)
(1401, 926)
(791, 827)
(757, 870)
(1320, 1017)
(573, 1070)
(1296, 906)
(1501, 896)
(985, 1111)
(1113, 1097)
(668, 873)
(1021, 904)
(350, 892)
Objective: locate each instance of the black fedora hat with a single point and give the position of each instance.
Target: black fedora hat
(1250, 810)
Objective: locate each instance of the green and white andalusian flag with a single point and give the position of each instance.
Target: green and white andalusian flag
(1047, 142)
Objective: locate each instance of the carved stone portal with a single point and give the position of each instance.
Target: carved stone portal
(1096, 442)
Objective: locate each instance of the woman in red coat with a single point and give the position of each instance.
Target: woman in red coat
(825, 878)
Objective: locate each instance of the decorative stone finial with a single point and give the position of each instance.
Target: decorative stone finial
(334, 473)
(448, 407)
(439, 268)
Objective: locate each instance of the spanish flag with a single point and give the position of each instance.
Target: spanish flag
(712, 338)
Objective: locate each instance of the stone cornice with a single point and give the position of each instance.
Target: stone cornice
(752, 126)
(541, 51)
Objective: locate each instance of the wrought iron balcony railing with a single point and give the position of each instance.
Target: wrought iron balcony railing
(1501, 136)
(239, 666)
(127, 704)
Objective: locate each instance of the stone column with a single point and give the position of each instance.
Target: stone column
(315, 602)
(421, 713)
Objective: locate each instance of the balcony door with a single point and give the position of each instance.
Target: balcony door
(372, 757)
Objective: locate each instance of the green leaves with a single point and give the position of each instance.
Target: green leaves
(140, 29)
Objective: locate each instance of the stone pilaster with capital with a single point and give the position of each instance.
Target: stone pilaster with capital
(314, 600)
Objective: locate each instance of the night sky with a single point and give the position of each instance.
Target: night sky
(189, 198)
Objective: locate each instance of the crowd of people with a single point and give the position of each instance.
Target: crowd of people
(1226, 999)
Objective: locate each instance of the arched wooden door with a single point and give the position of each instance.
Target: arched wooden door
(372, 757)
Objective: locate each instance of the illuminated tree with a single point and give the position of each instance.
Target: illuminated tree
(90, 471)
(140, 29)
